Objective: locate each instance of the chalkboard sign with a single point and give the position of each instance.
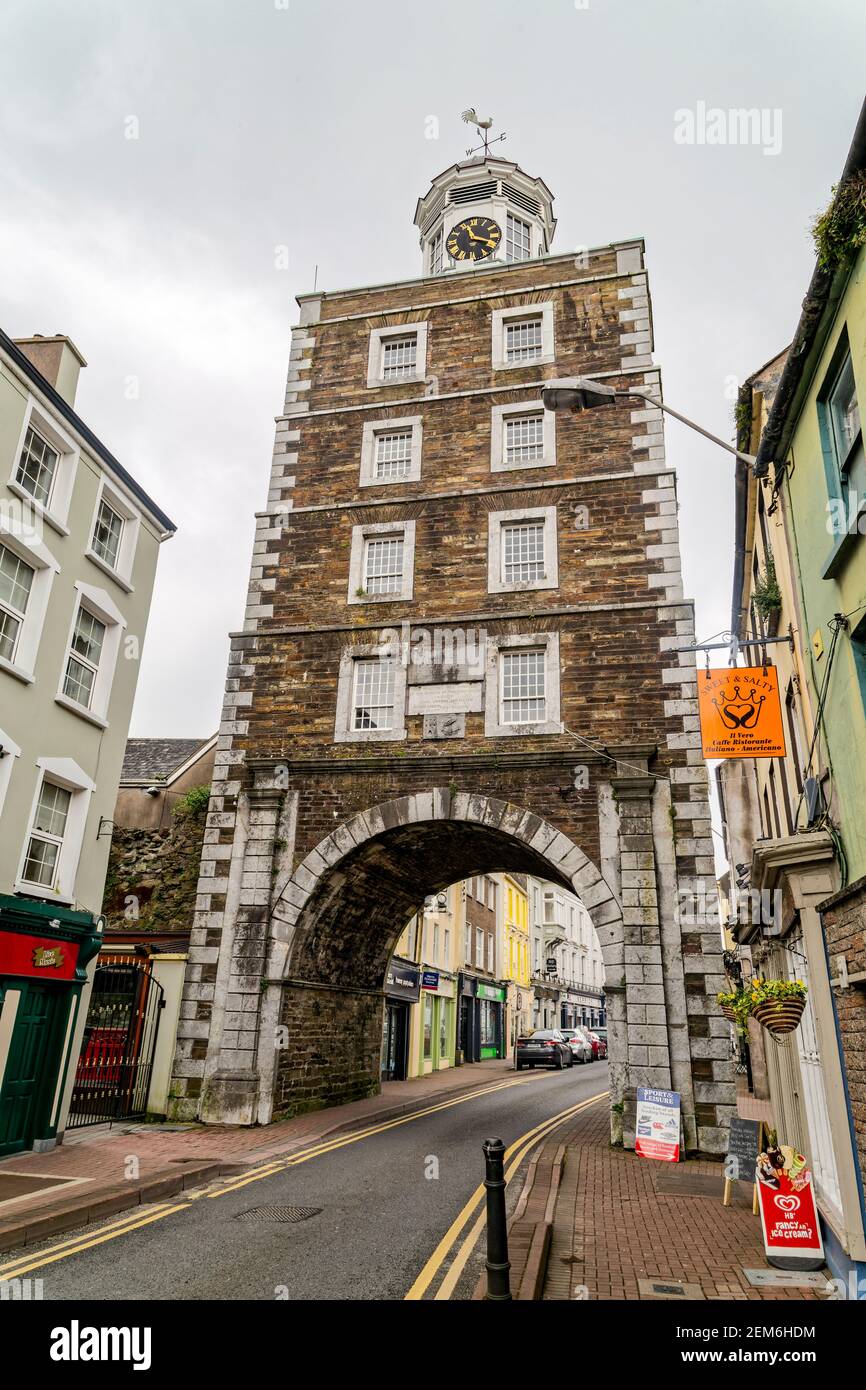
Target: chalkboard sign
(743, 1148)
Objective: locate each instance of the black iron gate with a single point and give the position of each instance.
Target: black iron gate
(112, 1078)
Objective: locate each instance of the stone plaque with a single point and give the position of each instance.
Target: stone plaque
(447, 699)
(444, 725)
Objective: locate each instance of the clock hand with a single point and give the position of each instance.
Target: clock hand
(484, 241)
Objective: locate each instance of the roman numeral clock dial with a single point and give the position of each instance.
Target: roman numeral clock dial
(474, 240)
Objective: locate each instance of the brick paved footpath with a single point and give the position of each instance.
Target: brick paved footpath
(167, 1159)
(612, 1227)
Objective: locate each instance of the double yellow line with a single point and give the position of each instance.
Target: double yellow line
(516, 1152)
(134, 1220)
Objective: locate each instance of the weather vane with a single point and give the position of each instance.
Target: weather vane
(483, 128)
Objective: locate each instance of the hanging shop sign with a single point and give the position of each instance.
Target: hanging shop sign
(430, 979)
(402, 980)
(493, 992)
(657, 1126)
(789, 1218)
(741, 714)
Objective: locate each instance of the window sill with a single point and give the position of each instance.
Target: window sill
(530, 586)
(26, 677)
(544, 361)
(414, 477)
(523, 464)
(522, 730)
(118, 578)
(370, 735)
(375, 383)
(81, 710)
(37, 890)
(380, 598)
(54, 521)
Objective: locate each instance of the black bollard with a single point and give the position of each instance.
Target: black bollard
(498, 1263)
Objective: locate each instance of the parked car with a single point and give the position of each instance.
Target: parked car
(546, 1047)
(581, 1048)
(599, 1047)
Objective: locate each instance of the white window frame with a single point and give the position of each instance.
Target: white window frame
(502, 317)
(65, 773)
(524, 222)
(496, 523)
(378, 530)
(103, 607)
(10, 752)
(371, 429)
(436, 251)
(496, 644)
(498, 417)
(375, 353)
(56, 513)
(343, 731)
(21, 537)
(122, 572)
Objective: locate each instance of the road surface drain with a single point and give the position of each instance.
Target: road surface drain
(669, 1288)
(267, 1214)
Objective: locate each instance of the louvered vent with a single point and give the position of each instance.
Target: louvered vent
(473, 192)
(521, 199)
(433, 212)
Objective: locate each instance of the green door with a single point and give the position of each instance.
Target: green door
(25, 1082)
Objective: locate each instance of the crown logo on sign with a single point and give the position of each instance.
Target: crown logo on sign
(739, 711)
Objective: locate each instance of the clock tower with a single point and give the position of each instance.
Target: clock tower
(484, 212)
(464, 652)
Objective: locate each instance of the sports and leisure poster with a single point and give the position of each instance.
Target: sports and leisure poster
(657, 1131)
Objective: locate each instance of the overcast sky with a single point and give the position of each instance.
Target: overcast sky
(303, 123)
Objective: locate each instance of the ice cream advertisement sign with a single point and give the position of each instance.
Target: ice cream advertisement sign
(789, 1217)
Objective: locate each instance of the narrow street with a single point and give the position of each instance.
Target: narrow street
(387, 1197)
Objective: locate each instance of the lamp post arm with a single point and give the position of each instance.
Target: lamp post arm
(684, 419)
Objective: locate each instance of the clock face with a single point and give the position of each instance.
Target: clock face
(474, 239)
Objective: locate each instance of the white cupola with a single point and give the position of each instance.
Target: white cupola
(482, 213)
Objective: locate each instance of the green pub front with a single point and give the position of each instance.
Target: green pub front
(44, 952)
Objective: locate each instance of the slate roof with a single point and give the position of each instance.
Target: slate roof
(153, 759)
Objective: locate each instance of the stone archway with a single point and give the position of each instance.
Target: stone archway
(308, 876)
(335, 920)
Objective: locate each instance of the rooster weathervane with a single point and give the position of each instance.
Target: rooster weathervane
(483, 128)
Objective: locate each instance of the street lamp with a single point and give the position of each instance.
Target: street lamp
(579, 393)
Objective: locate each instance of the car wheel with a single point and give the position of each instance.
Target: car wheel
(558, 1063)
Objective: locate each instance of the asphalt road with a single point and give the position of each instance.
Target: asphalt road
(384, 1203)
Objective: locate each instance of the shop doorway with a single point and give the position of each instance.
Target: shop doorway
(395, 1040)
(23, 1091)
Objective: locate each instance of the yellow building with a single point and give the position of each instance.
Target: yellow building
(516, 957)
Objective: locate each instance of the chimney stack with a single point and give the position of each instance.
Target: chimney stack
(57, 358)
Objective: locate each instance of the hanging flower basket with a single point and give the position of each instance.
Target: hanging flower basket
(779, 1015)
(734, 1006)
(777, 1004)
